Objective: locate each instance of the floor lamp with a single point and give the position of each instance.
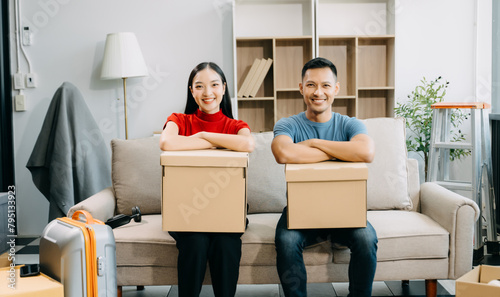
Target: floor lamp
(123, 59)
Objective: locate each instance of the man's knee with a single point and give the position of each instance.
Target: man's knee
(366, 239)
(287, 241)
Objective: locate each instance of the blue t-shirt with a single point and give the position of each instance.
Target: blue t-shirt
(339, 128)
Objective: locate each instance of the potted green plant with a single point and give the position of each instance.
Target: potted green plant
(418, 114)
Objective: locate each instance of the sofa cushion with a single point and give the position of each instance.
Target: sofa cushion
(145, 244)
(388, 175)
(404, 235)
(258, 243)
(266, 186)
(136, 175)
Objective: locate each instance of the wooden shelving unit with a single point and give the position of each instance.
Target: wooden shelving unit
(365, 63)
(365, 69)
(279, 95)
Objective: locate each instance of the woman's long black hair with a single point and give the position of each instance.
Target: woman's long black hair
(225, 104)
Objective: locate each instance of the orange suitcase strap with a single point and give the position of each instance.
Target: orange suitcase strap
(90, 246)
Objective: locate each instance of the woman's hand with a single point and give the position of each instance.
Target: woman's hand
(241, 142)
(170, 140)
(203, 135)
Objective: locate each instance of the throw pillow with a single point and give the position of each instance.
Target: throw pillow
(388, 174)
(136, 175)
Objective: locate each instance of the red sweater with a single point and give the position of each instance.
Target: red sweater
(190, 124)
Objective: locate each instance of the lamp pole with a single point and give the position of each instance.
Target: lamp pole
(125, 105)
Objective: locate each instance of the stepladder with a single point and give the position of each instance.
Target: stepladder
(481, 184)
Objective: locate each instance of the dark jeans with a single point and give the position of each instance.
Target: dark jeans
(223, 253)
(290, 262)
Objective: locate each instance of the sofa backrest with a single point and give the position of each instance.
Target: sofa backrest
(137, 172)
(387, 185)
(266, 185)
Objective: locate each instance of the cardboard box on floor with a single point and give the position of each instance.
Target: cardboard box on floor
(204, 190)
(4, 259)
(39, 286)
(475, 282)
(329, 194)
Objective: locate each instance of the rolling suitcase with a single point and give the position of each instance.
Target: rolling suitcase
(81, 255)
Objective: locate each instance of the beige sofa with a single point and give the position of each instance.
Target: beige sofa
(424, 231)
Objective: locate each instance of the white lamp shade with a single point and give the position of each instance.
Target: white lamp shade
(122, 57)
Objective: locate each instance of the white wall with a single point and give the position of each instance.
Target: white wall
(433, 38)
(445, 38)
(438, 38)
(68, 45)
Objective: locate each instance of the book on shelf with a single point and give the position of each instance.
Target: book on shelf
(251, 73)
(260, 77)
(253, 81)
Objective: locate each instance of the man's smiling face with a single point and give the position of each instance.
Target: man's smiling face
(319, 87)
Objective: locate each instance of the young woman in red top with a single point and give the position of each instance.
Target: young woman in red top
(207, 122)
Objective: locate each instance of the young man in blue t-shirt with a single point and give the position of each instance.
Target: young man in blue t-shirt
(319, 134)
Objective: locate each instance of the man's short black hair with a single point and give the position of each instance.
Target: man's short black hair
(319, 63)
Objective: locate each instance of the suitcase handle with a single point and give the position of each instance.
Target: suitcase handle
(88, 217)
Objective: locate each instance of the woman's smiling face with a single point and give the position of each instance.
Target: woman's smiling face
(207, 90)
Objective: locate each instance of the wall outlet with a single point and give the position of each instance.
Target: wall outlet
(31, 80)
(27, 36)
(20, 103)
(19, 81)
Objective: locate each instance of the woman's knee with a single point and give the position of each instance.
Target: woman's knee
(227, 241)
(192, 241)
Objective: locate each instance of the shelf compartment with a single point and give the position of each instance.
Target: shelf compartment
(345, 106)
(375, 88)
(260, 18)
(361, 17)
(247, 50)
(291, 55)
(353, 97)
(289, 103)
(257, 99)
(258, 114)
(375, 62)
(375, 104)
(297, 89)
(342, 52)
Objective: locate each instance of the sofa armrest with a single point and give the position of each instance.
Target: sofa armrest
(457, 214)
(100, 205)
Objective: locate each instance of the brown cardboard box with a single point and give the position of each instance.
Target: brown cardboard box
(4, 259)
(204, 190)
(39, 286)
(475, 282)
(329, 194)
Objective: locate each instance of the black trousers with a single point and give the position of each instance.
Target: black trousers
(222, 251)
